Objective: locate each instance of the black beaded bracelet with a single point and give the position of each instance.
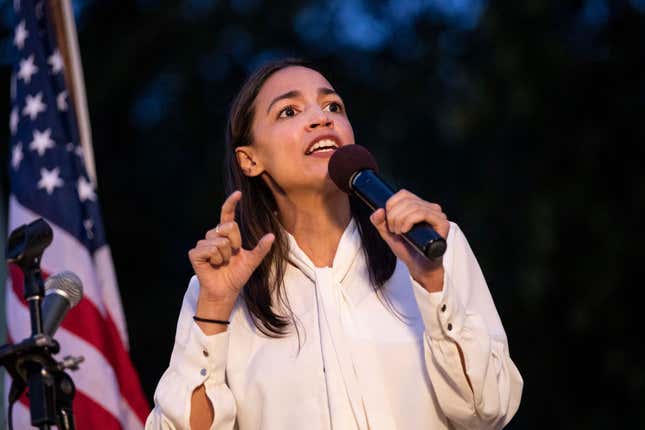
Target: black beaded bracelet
(225, 322)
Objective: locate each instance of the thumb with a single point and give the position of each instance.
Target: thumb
(398, 246)
(379, 221)
(262, 248)
(395, 243)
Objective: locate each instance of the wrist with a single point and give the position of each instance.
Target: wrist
(211, 326)
(431, 281)
(214, 309)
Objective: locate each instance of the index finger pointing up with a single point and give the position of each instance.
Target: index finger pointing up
(228, 208)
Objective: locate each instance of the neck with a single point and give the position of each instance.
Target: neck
(316, 221)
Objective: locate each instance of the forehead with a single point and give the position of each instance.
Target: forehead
(293, 78)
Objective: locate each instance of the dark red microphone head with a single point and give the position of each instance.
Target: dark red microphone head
(346, 161)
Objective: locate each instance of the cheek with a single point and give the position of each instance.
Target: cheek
(280, 151)
(345, 130)
(276, 141)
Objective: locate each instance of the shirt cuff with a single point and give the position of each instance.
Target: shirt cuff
(442, 312)
(203, 358)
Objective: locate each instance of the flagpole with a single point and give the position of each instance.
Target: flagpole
(68, 45)
(3, 281)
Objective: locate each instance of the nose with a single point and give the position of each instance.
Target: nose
(319, 119)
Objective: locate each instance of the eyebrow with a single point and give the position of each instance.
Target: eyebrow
(294, 93)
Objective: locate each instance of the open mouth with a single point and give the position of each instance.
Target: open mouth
(322, 145)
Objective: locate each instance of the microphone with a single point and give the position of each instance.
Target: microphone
(63, 291)
(354, 170)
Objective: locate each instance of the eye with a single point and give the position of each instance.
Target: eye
(334, 107)
(287, 111)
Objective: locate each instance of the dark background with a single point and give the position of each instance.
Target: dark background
(524, 119)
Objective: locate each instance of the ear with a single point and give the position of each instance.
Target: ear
(248, 161)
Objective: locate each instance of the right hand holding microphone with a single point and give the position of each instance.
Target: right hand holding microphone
(222, 266)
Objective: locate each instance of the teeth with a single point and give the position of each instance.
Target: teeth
(326, 144)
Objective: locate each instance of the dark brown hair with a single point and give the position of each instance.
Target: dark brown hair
(256, 215)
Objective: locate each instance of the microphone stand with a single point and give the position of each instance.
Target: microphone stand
(30, 362)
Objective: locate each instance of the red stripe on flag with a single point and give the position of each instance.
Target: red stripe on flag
(85, 321)
(98, 419)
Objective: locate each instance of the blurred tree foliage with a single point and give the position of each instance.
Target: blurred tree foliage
(523, 119)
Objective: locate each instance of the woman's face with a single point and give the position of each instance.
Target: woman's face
(298, 122)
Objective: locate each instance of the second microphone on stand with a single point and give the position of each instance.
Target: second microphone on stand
(63, 291)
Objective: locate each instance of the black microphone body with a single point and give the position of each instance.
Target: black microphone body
(374, 192)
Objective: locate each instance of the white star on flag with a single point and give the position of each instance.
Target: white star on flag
(85, 190)
(21, 35)
(61, 101)
(50, 179)
(56, 61)
(27, 69)
(13, 120)
(88, 224)
(42, 141)
(34, 106)
(16, 156)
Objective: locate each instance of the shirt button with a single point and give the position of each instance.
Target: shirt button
(205, 353)
(449, 326)
(203, 372)
(443, 308)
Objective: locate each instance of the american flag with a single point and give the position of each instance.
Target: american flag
(49, 179)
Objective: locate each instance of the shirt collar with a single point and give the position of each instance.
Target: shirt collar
(348, 248)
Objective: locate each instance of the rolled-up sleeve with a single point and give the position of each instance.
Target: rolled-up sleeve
(196, 359)
(463, 316)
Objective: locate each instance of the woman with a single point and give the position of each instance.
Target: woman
(308, 312)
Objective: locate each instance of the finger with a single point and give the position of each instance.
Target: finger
(227, 213)
(397, 244)
(408, 220)
(214, 254)
(224, 247)
(215, 257)
(205, 253)
(229, 230)
(434, 206)
(396, 213)
(222, 244)
(213, 233)
(396, 216)
(262, 249)
(397, 197)
(379, 221)
(422, 212)
(404, 195)
(435, 219)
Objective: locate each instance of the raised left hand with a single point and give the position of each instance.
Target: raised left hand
(402, 211)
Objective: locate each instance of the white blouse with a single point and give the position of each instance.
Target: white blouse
(357, 360)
